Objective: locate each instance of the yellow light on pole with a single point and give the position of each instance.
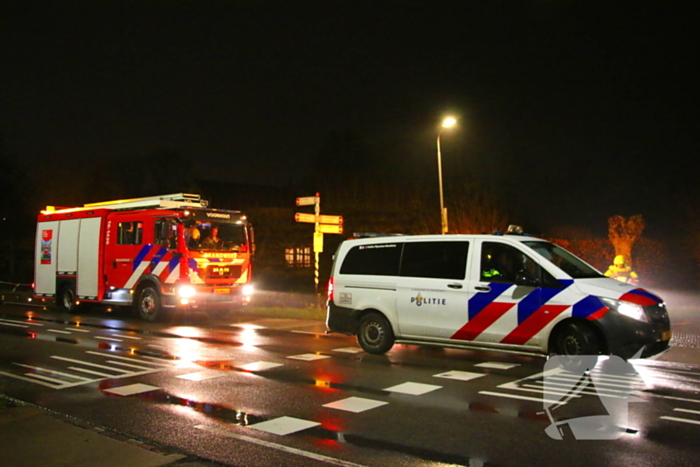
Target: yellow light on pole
(446, 123)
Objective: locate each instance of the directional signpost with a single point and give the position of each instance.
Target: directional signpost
(323, 224)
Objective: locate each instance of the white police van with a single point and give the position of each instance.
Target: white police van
(507, 292)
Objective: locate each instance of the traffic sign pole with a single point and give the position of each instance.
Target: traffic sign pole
(322, 224)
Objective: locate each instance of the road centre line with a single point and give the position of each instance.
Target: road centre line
(78, 330)
(58, 331)
(128, 337)
(13, 325)
(27, 323)
(108, 338)
(281, 447)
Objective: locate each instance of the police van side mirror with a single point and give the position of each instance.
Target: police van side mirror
(525, 280)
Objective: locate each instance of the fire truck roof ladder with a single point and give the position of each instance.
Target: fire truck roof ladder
(175, 200)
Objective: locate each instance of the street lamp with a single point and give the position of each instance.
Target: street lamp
(446, 123)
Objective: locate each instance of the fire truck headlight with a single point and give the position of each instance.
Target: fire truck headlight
(247, 289)
(186, 291)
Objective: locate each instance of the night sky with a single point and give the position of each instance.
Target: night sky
(571, 111)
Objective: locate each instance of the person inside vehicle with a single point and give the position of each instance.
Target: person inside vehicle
(192, 234)
(213, 240)
(621, 271)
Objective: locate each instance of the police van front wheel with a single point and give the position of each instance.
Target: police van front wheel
(148, 304)
(375, 335)
(576, 339)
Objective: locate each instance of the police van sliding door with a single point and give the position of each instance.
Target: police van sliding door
(432, 292)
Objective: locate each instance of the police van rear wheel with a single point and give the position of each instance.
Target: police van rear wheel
(148, 304)
(375, 335)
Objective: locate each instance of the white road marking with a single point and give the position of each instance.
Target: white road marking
(355, 404)
(259, 366)
(90, 372)
(131, 389)
(58, 331)
(131, 359)
(308, 357)
(114, 362)
(460, 375)
(46, 378)
(348, 350)
(413, 389)
(202, 375)
(78, 330)
(80, 362)
(697, 412)
(524, 398)
(67, 375)
(683, 420)
(14, 325)
(281, 447)
(24, 323)
(284, 425)
(109, 338)
(128, 337)
(497, 365)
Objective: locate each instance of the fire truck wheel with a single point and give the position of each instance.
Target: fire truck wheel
(148, 304)
(66, 299)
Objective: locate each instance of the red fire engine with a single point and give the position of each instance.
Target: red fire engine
(156, 253)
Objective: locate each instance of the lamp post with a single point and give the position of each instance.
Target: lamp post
(446, 123)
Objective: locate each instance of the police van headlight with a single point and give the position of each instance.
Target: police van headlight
(247, 290)
(186, 291)
(631, 310)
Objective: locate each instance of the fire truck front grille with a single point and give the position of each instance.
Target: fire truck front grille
(218, 271)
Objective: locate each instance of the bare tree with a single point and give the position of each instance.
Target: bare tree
(624, 233)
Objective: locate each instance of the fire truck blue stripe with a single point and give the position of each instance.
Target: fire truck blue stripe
(192, 264)
(482, 299)
(538, 297)
(142, 254)
(173, 264)
(159, 255)
(586, 307)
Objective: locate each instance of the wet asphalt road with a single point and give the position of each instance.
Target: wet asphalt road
(253, 391)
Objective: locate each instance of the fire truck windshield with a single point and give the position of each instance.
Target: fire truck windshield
(219, 236)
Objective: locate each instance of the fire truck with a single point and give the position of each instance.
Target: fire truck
(156, 254)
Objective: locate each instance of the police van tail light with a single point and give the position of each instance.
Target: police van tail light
(330, 289)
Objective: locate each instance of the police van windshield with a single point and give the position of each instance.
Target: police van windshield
(218, 236)
(564, 260)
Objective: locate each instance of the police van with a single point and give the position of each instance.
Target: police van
(506, 292)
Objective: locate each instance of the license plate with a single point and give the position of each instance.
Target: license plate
(222, 291)
(666, 336)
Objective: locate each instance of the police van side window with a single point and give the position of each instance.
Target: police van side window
(504, 263)
(129, 233)
(435, 260)
(377, 260)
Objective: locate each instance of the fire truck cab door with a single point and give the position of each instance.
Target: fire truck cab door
(124, 259)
